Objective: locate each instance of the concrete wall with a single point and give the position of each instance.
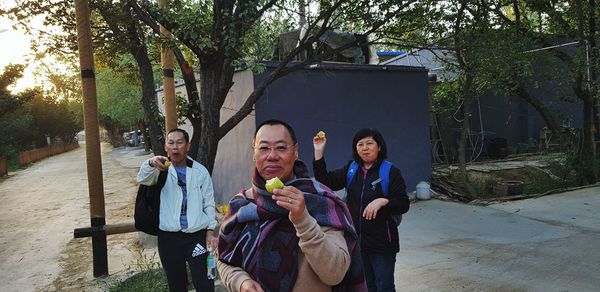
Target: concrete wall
(341, 99)
(234, 164)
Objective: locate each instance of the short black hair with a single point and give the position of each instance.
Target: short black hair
(273, 122)
(369, 132)
(186, 136)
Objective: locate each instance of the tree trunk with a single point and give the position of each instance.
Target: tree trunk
(587, 155)
(116, 140)
(133, 37)
(216, 78)
(147, 142)
(467, 97)
(464, 135)
(593, 65)
(196, 136)
(588, 151)
(540, 108)
(156, 137)
(194, 113)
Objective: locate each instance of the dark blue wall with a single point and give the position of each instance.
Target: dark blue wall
(514, 119)
(340, 99)
(505, 117)
(508, 117)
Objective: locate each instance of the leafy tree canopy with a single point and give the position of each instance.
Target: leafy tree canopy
(118, 100)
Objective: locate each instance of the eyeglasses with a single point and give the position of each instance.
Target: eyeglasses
(264, 150)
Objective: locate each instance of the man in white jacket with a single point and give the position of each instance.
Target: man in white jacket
(187, 213)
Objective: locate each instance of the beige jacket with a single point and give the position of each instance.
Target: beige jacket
(323, 259)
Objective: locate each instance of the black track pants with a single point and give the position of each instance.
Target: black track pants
(177, 248)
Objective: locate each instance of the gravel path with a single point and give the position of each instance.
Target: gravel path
(45, 202)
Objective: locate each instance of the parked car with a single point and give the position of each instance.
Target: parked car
(133, 138)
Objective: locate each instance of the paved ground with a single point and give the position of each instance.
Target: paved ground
(545, 244)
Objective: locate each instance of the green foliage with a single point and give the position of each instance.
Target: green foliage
(446, 97)
(27, 119)
(259, 44)
(124, 64)
(53, 119)
(15, 120)
(193, 20)
(484, 188)
(182, 106)
(539, 183)
(562, 171)
(574, 168)
(15, 132)
(118, 100)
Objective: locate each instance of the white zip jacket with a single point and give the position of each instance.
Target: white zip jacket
(200, 197)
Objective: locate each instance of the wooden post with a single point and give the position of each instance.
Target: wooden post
(166, 57)
(92, 136)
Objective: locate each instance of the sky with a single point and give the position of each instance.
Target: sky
(15, 48)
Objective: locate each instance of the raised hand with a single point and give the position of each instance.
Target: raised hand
(319, 145)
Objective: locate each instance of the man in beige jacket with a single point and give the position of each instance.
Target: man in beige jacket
(298, 238)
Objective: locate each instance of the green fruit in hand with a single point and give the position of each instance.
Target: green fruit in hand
(167, 163)
(321, 134)
(274, 183)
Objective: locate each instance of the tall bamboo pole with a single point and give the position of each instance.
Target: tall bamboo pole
(92, 136)
(166, 57)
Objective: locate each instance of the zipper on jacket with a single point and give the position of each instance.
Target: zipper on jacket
(389, 233)
(360, 216)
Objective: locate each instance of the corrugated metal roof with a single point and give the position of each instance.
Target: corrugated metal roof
(350, 66)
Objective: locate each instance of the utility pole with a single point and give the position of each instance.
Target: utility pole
(166, 58)
(92, 137)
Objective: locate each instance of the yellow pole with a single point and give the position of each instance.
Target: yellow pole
(166, 57)
(92, 135)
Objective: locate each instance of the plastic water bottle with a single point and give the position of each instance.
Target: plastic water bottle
(211, 265)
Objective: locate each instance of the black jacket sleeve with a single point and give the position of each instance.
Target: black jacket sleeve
(335, 180)
(399, 202)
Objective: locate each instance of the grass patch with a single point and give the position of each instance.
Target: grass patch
(153, 280)
(484, 187)
(151, 277)
(539, 183)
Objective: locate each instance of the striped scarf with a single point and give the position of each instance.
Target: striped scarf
(258, 236)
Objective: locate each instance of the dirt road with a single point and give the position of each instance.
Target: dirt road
(41, 205)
